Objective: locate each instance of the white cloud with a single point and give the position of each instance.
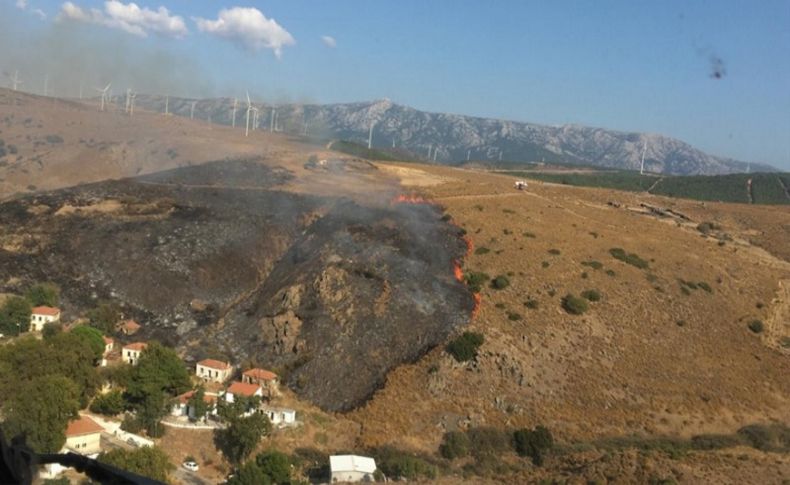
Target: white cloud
(21, 4)
(40, 13)
(128, 17)
(249, 28)
(329, 41)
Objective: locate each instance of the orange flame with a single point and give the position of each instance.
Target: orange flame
(409, 199)
(459, 274)
(476, 308)
(470, 246)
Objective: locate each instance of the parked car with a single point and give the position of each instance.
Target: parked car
(190, 465)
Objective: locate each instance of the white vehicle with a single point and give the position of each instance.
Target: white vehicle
(190, 465)
(520, 184)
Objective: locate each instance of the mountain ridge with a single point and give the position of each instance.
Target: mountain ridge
(452, 139)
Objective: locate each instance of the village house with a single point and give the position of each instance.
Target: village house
(129, 327)
(242, 389)
(213, 370)
(351, 468)
(182, 407)
(42, 315)
(83, 436)
(268, 380)
(109, 345)
(280, 417)
(131, 353)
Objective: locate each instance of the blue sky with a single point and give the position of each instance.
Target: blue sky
(627, 65)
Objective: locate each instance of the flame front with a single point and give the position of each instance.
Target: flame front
(409, 199)
(459, 274)
(476, 308)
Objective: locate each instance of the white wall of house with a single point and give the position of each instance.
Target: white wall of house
(86, 444)
(38, 321)
(131, 356)
(212, 374)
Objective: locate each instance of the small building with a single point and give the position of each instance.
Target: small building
(242, 389)
(109, 345)
(42, 315)
(182, 408)
(351, 468)
(129, 327)
(279, 416)
(213, 370)
(83, 436)
(267, 379)
(131, 353)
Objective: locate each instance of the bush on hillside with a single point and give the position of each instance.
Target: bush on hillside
(574, 305)
(455, 444)
(591, 295)
(500, 282)
(533, 443)
(629, 258)
(756, 326)
(464, 347)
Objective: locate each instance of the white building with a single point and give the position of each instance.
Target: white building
(213, 370)
(83, 436)
(279, 416)
(42, 315)
(182, 407)
(352, 468)
(131, 353)
(109, 345)
(242, 389)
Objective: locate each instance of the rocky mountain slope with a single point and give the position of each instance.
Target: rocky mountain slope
(451, 139)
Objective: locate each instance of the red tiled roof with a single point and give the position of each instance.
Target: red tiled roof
(108, 340)
(214, 364)
(261, 374)
(45, 310)
(130, 325)
(207, 398)
(140, 346)
(83, 425)
(243, 389)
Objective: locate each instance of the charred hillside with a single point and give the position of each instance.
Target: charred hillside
(217, 260)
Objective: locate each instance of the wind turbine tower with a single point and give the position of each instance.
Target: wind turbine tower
(272, 120)
(370, 135)
(642, 166)
(131, 103)
(249, 108)
(192, 111)
(15, 82)
(167, 105)
(103, 95)
(128, 100)
(233, 118)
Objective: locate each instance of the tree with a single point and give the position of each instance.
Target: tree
(455, 445)
(93, 338)
(160, 368)
(148, 461)
(242, 436)
(51, 329)
(15, 316)
(533, 443)
(104, 317)
(40, 409)
(110, 404)
(250, 474)
(276, 465)
(44, 294)
(198, 404)
(464, 347)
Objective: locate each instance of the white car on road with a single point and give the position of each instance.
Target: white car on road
(190, 465)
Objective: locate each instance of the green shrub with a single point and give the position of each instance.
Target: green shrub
(555, 252)
(475, 280)
(591, 295)
(574, 305)
(629, 258)
(482, 250)
(707, 227)
(611, 272)
(532, 304)
(500, 282)
(544, 264)
(593, 264)
(464, 347)
(489, 441)
(533, 443)
(398, 464)
(705, 286)
(528, 234)
(110, 404)
(513, 316)
(584, 275)
(756, 326)
(771, 437)
(455, 444)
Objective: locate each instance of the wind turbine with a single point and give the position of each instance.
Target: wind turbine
(167, 105)
(131, 103)
(15, 82)
(255, 114)
(128, 100)
(103, 94)
(370, 135)
(642, 166)
(272, 122)
(192, 111)
(468, 153)
(249, 108)
(233, 122)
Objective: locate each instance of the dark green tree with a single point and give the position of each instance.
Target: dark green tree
(40, 410)
(276, 465)
(15, 316)
(464, 347)
(250, 474)
(160, 368)
(242, 436)
(533, 443)
(51, 329)
(148, 461)
(104, 317)
(455, 444)
(110, 404)
(198, 404)
(44, 294)
(93, 337)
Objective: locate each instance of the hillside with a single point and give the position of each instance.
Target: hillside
(451, 139)
(345, 276)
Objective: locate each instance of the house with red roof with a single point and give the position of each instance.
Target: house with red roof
(242, 389)
(211, 370)
(267, 379)
(42, 315)
(83, 436)
(129, 327)
(131, 353)
(182, 408)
